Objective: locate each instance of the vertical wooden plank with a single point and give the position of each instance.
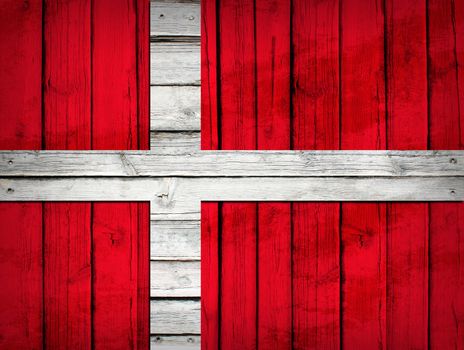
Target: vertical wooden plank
(120, 238)
(316, 243)
(363, 127)
(21, 311)
(115, 233)
(446, 98)
(67, 275)
(114, 75)
(66, 108)
(407, 223)
(67, 75)
(21, 268)
(273, 132)
(21, 72)
(238, 276)
(209, 74)
(209, 275)
(143, 142)
(238, 131)
(143, 74)
(210, 212)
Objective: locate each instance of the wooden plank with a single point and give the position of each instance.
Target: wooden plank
(180, 62)
(237, 99)
(236, 163)
(21, 270)
(120, 231)
(209, 76)
(67, 275)
(446, 103)
(182, 195)
(175, 18)
(67, 125)
(274, 239)
(175, 316)
(21, 267)
(407, 224)
(175, 342)
(316, 233)
(175, 240)
(210, 281)
(175, 142)
(21, 71)
(363, 126)
(175, 279)
(175, 108)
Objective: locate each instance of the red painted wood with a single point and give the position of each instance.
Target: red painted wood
(67, 275)
(120, 237)
(363, 127)
(238, 131)
(316, 253)
(274, 237)
(67, 235)
(21, 310)
(446, 102)
(407, 223)
(210, 241)
(209, 74)
(316, 276)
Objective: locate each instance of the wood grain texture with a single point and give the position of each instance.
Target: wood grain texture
(407, 224)
(175, 18)
(180, 62)
(175, 196)
(67, 125)
(211, 242)
(175, 240)
(174, 316)
(175, 143)
(120, 231)
(175, 278)
(175, 108)
(21, 267)
(67, 275)
(273, 232)
(363, 126)
(316, 234)
(446, 77)
(232, 163)
(176, 342)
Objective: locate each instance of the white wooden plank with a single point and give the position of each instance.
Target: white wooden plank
(175, 108)
(175, 316)
(175, 63)
(232, 163)
(175, 342)
(175, 240)
(175, 279)
(183, 195)
(175, 142)
(174, 17)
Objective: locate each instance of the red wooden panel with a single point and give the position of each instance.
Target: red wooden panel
(274, 237)
(363, 127)
(446, 99)
(66, 108)
(407, 223)
(21, 273)
(316, 259)
(120, 236)
(209, 74)
(238, 131)
(67, 275)
(21, 265)
(210, 241)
